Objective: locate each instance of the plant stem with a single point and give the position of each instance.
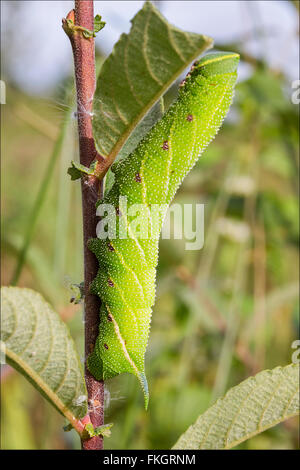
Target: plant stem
(84, 63)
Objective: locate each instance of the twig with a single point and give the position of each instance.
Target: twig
(84, 63)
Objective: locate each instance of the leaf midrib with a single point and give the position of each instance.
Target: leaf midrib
(42, 384)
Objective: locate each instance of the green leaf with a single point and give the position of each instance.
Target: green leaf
(103, 430)
(98, 24)
(87, 33)
(38, 344)
(89, 428)
(76, 170)
(142, 66)
(251, 407)
(70, 28)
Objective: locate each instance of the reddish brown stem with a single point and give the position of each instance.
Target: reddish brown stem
(84, 63)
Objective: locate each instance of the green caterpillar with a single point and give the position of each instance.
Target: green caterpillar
(151, 176)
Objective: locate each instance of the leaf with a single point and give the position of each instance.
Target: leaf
(98, 24)
(38, 344)
(104, 430)
(87, 33)
(76, 170)
(251, 407)
(142, 66)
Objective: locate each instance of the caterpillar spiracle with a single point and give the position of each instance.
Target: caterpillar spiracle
(150, 177)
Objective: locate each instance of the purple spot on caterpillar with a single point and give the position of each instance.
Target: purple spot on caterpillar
(165, 145)
(182, 83)
(189, 117)
(110, 283)
(195, 63)
(118, 212)
(109, 317)
(110, 247)
(105, 345)
(138, 178)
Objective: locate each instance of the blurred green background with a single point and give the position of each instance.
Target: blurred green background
(221, 314)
